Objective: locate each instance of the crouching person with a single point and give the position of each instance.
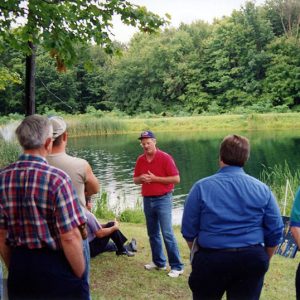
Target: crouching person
(40, 242)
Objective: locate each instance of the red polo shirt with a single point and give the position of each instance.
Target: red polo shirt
(162, 165)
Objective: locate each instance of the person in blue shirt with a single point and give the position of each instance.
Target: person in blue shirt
(295, 230)
(232, 223)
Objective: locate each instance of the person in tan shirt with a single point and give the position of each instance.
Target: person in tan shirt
(84, 180)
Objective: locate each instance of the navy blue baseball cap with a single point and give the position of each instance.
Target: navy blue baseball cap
(147, 135)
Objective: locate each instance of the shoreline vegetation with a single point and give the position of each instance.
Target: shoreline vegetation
(98, 122)
(85, 125)
(115, 122)
(115, 277)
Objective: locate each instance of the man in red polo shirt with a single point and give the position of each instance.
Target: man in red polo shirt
(156, 171)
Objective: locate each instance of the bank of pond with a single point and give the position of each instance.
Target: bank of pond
(274, 153)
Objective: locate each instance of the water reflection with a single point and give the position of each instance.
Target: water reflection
(196, 155)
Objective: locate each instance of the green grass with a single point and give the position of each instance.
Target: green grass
(9, 152)
(284, 184)
(120, 277)
(248, 122)
(130, 215)
(115, 277)
(100, 207)
(104, 123)
(87, 125)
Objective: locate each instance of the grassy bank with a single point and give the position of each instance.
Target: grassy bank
(99, 123)
(114, 277)
(284, 183)
(218, 122)
(9, 152)
(91, 125)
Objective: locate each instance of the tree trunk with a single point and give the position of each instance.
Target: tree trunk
(30, 82)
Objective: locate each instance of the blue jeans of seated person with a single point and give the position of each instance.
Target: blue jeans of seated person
(158, 213)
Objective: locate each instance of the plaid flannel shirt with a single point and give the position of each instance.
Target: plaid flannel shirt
(37, 203)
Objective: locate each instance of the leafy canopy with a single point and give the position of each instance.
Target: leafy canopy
(60, 25)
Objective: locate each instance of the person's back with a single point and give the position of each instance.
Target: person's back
(39, 218)
(83, 178)
(36, 187)
(75, 167)
(232, 224)
(235, 204)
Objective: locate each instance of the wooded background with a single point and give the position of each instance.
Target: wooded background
(247, 62)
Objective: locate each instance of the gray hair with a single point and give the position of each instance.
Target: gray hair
(33, 132)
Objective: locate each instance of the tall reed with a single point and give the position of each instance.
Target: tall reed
(100, 207)
(284, 183)
(90, 125)
(125, 214)
(9, 152)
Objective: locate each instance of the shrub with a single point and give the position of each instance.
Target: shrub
(283, 183)
(132, 216)
(101, 210)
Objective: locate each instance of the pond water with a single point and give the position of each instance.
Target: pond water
(196, 155)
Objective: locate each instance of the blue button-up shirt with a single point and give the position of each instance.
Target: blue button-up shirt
(231, 209)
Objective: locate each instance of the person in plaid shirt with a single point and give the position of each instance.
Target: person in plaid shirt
(40, 216)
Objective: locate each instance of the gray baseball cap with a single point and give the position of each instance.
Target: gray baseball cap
(59, 126)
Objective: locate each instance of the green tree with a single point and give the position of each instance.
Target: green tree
(154, 73)
(7, 74)
(284, 16)
(282, 83)
(235, 58)
(194, 95)
(55, 90)
(61, 25)
(90, 77)
(7, 77)
(11, 96)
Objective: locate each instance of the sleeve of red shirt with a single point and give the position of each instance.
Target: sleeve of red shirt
(171, 167)
(137, 171)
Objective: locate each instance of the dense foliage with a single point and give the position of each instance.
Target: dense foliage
(249, 61)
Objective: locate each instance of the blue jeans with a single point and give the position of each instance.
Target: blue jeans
(87, 258)
(86, 254)
(158, 213)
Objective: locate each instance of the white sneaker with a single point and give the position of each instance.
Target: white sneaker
(152, 266)
(175, 273)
